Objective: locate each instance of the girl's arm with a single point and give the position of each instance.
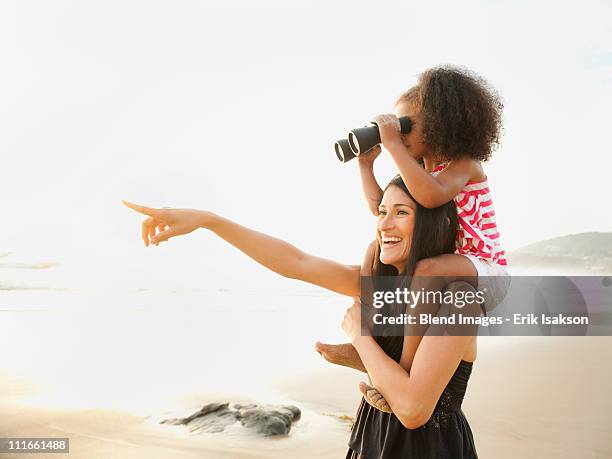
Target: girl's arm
(371, 189)
(429, 191)
(275, 254)
(412, 396)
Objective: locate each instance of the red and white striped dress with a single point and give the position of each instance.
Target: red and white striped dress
(478, 234)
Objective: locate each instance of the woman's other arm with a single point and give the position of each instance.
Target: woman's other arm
(411, 396)
(273, 253)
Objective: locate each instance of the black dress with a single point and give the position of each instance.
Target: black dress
(447, 434)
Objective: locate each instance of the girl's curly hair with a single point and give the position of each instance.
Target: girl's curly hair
(462, 113)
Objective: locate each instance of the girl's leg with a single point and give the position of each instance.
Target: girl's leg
(434, 274)
(340, 354)
(448, 265)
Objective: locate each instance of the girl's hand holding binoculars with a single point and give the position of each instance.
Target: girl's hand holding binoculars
(370, 156)
(390, 130)
(169, 222)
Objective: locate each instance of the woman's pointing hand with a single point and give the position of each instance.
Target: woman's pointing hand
(169, 222)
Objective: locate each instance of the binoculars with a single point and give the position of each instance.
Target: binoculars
(361, 140)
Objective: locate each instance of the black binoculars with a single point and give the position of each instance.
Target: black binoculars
(361, 140)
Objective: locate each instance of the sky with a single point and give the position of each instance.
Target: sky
(234, 107)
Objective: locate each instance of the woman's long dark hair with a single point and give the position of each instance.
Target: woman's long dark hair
(435, 233)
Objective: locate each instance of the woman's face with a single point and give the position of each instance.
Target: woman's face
(395, 226)
(413, 141)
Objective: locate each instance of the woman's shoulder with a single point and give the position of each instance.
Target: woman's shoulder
(368, 259)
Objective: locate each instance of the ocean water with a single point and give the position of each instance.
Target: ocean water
(144, 349)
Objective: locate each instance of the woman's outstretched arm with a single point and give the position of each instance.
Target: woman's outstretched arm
(273, 253)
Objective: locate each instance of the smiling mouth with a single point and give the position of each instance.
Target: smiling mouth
(388, 242)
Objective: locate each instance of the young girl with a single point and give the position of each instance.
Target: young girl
(456, 119)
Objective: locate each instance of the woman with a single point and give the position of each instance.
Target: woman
(426, 421)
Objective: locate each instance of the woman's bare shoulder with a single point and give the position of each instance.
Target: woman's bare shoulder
(368, 259)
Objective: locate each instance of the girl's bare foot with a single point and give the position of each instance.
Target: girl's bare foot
(374, 398)
(346, 355)
(340, 354)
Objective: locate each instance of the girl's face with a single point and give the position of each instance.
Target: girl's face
(395, 226)
(413, 141)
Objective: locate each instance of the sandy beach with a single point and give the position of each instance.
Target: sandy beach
(532, 397)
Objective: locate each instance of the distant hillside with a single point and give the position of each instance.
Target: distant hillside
(590, 253)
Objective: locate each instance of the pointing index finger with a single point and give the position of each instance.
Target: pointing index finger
(142, 209)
